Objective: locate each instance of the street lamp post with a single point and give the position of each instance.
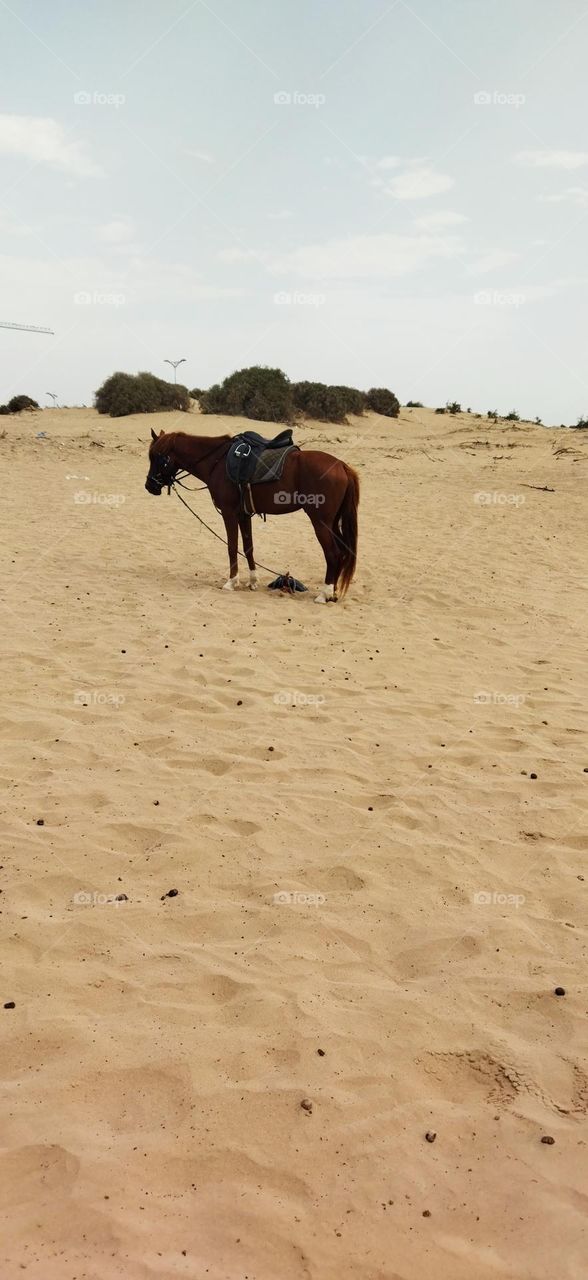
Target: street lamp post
(53, 397)
(174, 364)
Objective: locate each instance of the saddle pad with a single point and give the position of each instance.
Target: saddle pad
(270, 464)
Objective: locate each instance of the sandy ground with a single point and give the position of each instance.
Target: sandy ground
(373, 763)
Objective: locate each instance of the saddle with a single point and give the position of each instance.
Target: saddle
(252, 459)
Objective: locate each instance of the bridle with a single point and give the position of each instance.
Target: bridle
(164, 474)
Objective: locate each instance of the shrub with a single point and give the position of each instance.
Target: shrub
(353, 401)
(512, 416)
(18, 403)
(453, 406)
(125, 393)
(259, 393)
(414, 404)
(580, 425)
(492, 413)
(4, 409)
(197, 393)
(380, 400)
(441, 410)
(327, 404)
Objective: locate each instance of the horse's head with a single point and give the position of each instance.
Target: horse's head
(162, 464)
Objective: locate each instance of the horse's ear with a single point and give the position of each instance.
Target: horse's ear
(153, 435)
(161, 433)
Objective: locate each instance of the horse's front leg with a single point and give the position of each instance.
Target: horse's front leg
(232, 527)
(247, 539)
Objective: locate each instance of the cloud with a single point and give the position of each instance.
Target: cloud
(552, 159)
(491, 261)
(118, 231)
(388, 162)
(44, 141)
(437, 221)
(573, 195)
(365, 257)
(419, 184)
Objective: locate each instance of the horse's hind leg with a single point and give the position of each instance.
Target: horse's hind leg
(331, 552)
(247, 540)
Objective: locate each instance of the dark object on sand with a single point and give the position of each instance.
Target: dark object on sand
(430, 1135)
(560, 991)
(285, 582)
(549, 1142)
(10, 1004)
(171, 893)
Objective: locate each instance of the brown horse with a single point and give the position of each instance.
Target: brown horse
(323, 486)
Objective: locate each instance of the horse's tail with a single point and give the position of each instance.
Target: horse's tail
(345, 530)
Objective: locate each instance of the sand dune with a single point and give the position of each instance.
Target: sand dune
(371, 763)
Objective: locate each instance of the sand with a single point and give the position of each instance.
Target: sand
(371, 762)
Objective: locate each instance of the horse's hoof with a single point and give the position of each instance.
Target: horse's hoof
(231, 585)
(321, 599)
(253, 583)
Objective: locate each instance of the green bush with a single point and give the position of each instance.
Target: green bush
(197, 393)
(18, 403)
(512, 416)
(4, 409)
(414, 404)
(125, 393)
(326, 403)
(317, 400)
(580, 425)
(380, 400)
(258, 392)
(353, 401)
(443, 410)
(453, 406)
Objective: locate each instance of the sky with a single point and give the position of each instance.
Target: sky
(365, 192)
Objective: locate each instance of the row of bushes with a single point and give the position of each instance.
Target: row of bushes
(17, 404)
(267, 395)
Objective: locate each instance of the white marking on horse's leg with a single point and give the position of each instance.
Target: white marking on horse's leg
(327, 593)
(232, 584)
(253, 583)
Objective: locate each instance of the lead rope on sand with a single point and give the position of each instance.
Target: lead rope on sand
(217, 535)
